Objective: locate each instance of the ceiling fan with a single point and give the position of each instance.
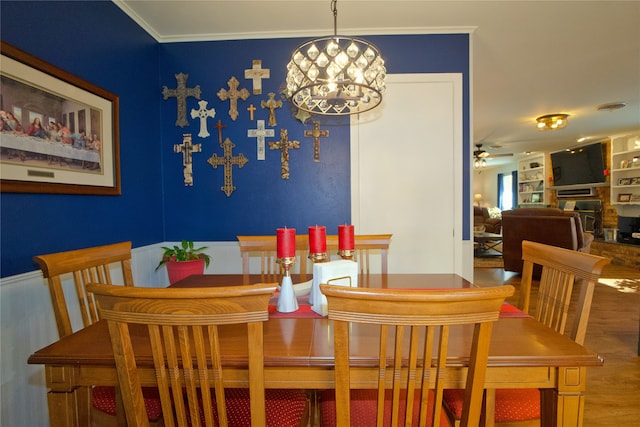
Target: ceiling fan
(482, 154)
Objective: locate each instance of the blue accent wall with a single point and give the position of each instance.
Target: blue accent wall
(99, 43)
(105, 47)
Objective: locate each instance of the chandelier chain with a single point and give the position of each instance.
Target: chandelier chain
(334, 9)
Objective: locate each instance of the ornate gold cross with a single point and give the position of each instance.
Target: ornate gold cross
(257, 73)
(228, 161)
(284, 145)
(272, 104)
(187, 148)
(316, 133)
(181, 93)
(232, 95)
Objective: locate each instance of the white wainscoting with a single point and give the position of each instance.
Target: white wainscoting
(27, 324)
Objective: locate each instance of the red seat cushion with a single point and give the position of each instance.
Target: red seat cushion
(512, 404)
(104, 400)
(284, 408)
(364, 407)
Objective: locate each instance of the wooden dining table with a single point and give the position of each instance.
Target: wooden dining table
(298, 353)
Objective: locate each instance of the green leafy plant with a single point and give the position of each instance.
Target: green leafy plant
(185, 252)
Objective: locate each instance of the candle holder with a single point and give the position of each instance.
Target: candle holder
(319, 257)
(287, 301)
(346, 254)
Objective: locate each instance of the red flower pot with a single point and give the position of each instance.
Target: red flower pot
(178, 270)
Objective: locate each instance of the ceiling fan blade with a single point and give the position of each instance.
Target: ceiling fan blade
(498, 155)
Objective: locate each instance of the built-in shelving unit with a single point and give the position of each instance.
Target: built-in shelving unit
(531, 181)
(625, 170)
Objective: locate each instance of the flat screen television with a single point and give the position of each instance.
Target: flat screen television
(579, 166)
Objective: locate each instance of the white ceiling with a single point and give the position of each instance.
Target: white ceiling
(529, 58)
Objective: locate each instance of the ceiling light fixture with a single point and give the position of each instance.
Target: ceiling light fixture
(336, 75)
(552, 121)
(611, 106)
(479, 163)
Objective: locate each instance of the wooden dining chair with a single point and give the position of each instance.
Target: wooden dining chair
(366, 247)
(411, 326)
(562, 270)
(84, 266)
(184, 327)
(370, 250)
(264, 248)
(99, 264)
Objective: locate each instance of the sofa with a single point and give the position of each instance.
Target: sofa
(551, 226)
(481, 218)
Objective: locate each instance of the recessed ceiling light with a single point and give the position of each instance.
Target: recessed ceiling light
(612, 106)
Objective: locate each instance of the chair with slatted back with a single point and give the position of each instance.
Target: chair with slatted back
(562, 269)
(366, 248)
(83, 266)
(264, 247)
(409, 326)
(186, 328)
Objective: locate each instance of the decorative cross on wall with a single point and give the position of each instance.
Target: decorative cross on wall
(251, 109)
(220, 126)
(272, 104)
(284, 145)
(181, 93)
(228, 161)
(232, 95)
(260, 133)
(203, 113)
(187, 148)
(316, 133)
(257, 73)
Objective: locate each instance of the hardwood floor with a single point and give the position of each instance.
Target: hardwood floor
(613, 390)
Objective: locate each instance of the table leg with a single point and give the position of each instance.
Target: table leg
(564, 406)
(68, 404)
(70, 408)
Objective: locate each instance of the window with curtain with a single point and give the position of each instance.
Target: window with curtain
(507, 190)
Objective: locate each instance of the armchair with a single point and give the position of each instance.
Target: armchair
(550, 226)
(481, 217)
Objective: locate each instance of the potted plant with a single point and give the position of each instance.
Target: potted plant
(184, 260)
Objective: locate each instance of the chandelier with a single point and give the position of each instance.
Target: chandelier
(552, 121)
(336, 75)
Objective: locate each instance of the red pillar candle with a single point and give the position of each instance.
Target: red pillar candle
(286, 242)
(346, 238)
(318, 239)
